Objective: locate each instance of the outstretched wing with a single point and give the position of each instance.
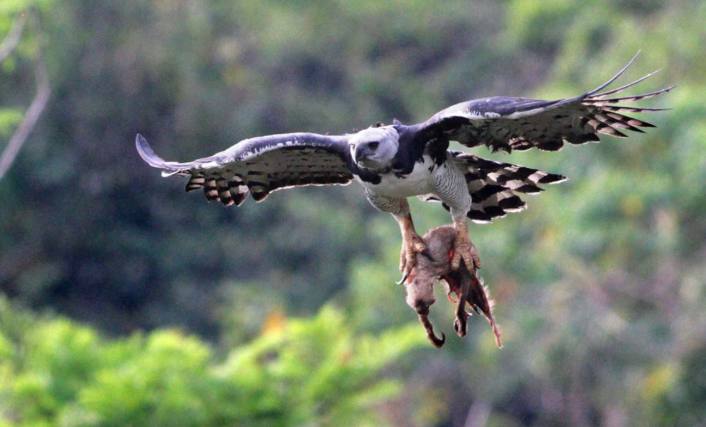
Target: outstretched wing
(260, 165)
(506, 123)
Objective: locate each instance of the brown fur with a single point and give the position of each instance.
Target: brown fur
(466, 286)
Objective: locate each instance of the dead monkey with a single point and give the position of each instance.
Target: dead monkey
(463, 284)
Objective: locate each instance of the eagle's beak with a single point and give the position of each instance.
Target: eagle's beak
(365, 150)
(361, 153)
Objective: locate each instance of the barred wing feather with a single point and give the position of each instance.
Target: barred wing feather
(509, 123)
(258, 166)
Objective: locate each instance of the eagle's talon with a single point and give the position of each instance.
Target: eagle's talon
(419, 245)
(403, 279)
(466, 251)
(408, 255)
(464, 287)
(403, 261)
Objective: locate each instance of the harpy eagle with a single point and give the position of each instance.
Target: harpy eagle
(396, 161)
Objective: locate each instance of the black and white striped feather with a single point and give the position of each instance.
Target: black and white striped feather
(495, 187)
(258, 166)
(508, 123)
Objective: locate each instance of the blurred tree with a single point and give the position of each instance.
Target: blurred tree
(600, 284)
(19, 13)
(55, 372)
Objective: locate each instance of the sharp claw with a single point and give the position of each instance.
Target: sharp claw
(403, 279)
(460, 326)
(408, 256)
(465, 253)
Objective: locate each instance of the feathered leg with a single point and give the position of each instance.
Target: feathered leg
(451, 188)
(412, 243)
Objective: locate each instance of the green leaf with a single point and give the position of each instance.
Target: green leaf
(9, 118)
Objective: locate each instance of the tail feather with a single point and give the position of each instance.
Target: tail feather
(495, 187)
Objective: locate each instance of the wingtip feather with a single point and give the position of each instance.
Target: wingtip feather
(626, 86)
(148, 155)
(616, 76)
(141, 144)
(146, 152)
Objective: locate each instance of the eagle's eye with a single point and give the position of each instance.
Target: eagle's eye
(373, 145)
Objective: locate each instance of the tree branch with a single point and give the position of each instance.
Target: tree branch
(31, 115)
(13, 37)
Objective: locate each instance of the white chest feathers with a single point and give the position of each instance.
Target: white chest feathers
(418, 182)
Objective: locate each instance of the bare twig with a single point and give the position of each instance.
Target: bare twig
(31, 115)
(13, 37)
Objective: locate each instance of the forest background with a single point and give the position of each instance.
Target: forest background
(124, 301)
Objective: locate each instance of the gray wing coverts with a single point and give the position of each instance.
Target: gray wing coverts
(258, 166)
(507, 123)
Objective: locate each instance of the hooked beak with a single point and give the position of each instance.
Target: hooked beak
(361, 154)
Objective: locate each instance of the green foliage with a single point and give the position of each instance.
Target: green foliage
(298, 372)
(9, 118)
(599, 284)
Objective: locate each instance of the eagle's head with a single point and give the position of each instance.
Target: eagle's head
(375, 147)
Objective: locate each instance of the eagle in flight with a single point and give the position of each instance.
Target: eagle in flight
(396, 161)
